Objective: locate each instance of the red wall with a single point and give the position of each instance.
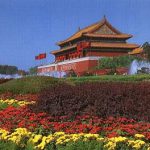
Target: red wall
(79, 67)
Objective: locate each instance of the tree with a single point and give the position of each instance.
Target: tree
(5, 69)
(33, 70)
(146, 48)
(22, 72)
(114, 62)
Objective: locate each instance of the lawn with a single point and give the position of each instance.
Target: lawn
(27, 85)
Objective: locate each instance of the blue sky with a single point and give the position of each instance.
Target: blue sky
(30, 27)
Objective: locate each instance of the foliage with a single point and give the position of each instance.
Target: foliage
(8, 146)
(115, 62)
(102, 99)
(5, 69)
(28, 84)
(33, 70)
(82, 145)
(146, 48)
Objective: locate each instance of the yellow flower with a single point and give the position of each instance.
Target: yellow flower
(3, 134)
(137, 144)
(91, 136)
(139, 136)
(59, 134)
(13, 101)
(59, 142)
(119, 139)
(43, 143)
(85, 139)
(100, 139)
(36, 138)
(49, 138)
(66, 140)
(110, 145)
(75, 139)
(148, 148)
(40, 142)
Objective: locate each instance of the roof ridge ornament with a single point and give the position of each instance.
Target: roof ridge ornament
(79, 28)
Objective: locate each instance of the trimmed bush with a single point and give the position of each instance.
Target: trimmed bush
(100, 99)
(112, 78)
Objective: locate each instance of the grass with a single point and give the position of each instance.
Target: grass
(27, 85)
(35, 84)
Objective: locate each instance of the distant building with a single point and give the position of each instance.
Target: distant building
(82, 50)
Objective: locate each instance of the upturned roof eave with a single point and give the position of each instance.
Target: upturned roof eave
(136, 51)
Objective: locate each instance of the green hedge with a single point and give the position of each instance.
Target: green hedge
(110, 78)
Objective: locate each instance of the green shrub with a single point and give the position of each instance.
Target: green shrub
(116, 62)
(5, 105)
(109, 78)
(8, 146)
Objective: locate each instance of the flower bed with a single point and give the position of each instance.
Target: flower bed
(60, 140)
(99, 99)
(22, 128)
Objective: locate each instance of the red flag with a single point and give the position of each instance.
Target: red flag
(42, 56)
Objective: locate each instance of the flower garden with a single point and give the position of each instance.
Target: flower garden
(44, 125)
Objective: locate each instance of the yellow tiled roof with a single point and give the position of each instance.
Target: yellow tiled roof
(89, 29)
(136, 51)
(119, 36)
(114, 45)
